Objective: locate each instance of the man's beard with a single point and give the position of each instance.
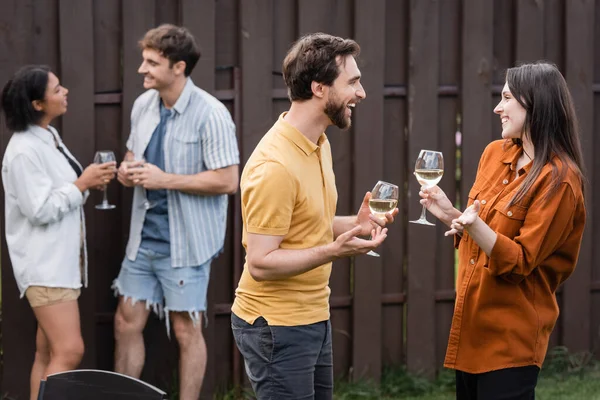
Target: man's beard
(337, 114)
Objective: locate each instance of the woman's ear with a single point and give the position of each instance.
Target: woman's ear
(38, 105)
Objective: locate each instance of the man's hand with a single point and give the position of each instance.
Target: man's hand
(149, 177)
(369, 221)
(349, 244)
(124, 170)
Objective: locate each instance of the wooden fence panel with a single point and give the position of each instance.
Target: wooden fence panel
(580, 75)
(423, 112)
(393, 252)
(450, 80)
(18, 322)
(477, 72)
(449, 111)
(368, 169)
(77, 74)
(530, 31)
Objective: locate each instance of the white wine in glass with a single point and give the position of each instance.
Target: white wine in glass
(429, 170)
(384, 199)
(101, 157)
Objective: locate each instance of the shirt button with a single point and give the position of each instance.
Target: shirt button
(483, 202)
(472, 261)
(509, 213)
(505, 181)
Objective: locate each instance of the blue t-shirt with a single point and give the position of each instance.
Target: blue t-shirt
(155, 233)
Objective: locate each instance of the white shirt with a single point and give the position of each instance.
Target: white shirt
(43, 211)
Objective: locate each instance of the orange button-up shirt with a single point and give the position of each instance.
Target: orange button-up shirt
(505, 306)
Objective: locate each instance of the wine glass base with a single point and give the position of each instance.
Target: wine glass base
(373, 254)
(149, 205)
(105, 206)
(422, 222)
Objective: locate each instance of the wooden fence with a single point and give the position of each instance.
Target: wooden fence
(431, 68)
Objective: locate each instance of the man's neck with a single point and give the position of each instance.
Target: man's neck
(307, 119)
(170, 94)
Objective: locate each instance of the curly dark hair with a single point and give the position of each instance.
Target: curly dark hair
(27, 85)
(314, 57)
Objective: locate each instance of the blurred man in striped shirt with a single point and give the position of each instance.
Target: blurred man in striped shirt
(182, 161)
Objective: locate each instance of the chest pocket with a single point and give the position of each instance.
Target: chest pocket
(187, 152)
(508, 220)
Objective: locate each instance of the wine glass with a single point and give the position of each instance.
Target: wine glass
(429, 169)
(147, 204)
(384, 199)
(101, 157)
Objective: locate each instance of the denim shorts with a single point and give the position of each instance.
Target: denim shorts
(286, 362)
(152, 279)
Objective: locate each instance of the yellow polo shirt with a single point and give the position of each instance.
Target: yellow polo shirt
(288, 189)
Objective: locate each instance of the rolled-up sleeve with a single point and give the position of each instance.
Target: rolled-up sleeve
(219, 142)
(547, 225)
(37, 199)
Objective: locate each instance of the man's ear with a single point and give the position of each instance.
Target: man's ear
(318, 89)
(179, 67)
(38, 105)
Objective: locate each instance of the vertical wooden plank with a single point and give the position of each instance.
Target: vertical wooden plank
(504, 29)
(77, 74)
(256, 56)
(530, 31)
(166, 11)
(554, 32)
(331, 22)
(368, 147)
(449, 75)
(394, 170)
(107, 79)
(477, 64)
(595, 184)
(579, 75)
(199, 18)
(256, 46)
(422, 134)
(228, 40)
(18, 322)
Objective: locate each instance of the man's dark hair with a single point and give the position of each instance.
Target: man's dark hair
(27, 85)
(175, 43)
(314, 57)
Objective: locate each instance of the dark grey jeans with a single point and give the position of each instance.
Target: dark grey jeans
(286, 362)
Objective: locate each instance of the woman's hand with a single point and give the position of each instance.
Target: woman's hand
(437, 203)
(96, 176)
(466, 219)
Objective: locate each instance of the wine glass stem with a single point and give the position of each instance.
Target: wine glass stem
(423, 213)
(104, 198)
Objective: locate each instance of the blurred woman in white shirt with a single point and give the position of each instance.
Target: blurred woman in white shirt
(45, 188)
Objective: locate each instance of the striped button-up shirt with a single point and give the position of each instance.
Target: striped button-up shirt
(200, 136)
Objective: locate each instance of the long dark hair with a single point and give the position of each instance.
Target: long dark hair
(550, 124)
(27, 85)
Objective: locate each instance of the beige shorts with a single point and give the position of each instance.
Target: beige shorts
(44, 296)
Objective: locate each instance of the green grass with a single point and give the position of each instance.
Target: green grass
(565, 376)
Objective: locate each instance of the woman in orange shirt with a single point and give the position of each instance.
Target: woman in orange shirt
(518, 238)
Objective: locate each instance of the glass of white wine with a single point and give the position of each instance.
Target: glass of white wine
(101, 157)
(429, 169)
(384, 199)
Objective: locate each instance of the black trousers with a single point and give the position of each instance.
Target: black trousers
(504, 384)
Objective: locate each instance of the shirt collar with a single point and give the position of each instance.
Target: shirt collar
(184, 98)
(511, 155)
(296, 137)
(46, 135)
